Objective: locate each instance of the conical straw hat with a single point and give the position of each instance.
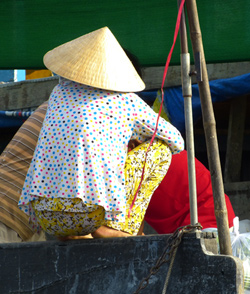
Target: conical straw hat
(95, 59)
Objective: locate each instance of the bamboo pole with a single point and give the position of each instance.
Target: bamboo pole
(210, 132)
(187, 95)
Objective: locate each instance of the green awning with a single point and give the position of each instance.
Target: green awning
(29, 28)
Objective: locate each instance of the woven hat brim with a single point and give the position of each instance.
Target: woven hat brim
(95, 59)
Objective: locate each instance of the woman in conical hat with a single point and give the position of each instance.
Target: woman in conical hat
(82, 180)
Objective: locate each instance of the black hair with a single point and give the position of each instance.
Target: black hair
(135, 61)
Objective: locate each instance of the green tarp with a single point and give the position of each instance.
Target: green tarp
(29, 28)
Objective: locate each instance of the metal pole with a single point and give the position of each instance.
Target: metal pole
(210, 131)
(187, 94)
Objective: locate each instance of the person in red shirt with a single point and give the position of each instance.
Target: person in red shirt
(169, 206)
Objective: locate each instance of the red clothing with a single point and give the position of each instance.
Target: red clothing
(169, 206)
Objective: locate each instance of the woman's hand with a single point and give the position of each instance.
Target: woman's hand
(133, 143)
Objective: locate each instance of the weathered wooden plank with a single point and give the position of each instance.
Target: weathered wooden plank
(242, 186)
(115, 266)
(239, 194)
(235, 139)
(32, 93)
(26, 94)
(152, 76)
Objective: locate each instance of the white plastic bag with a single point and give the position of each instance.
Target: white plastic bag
(241, 249)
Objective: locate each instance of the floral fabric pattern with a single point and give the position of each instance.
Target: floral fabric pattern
(64, 217)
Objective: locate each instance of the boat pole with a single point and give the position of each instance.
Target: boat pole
(209, 129)
(187, 95)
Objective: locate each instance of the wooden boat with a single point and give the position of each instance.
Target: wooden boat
(109, 266)
(118, 265)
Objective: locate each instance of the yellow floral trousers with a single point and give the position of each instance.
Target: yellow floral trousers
(85, 219)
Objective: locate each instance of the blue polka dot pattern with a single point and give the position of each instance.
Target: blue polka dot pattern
(82, 147)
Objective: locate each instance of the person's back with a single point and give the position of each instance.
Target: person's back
(169, 206)
(76, 182)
